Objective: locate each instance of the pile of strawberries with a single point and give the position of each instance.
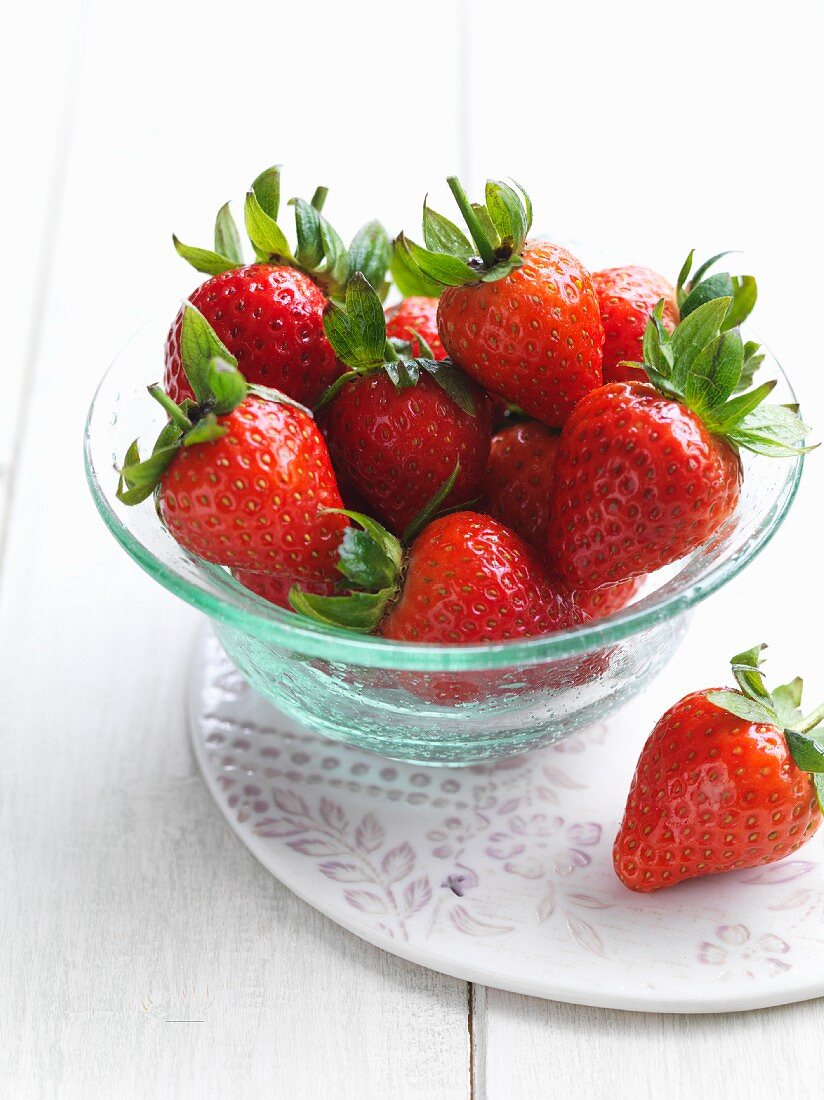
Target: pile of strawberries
(506, 452)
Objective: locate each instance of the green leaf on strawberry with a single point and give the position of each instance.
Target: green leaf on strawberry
(408, 278)
(266, 188)
(498, 228)
(370, 253)
(203, 259)
(199, 345)
(693, 292)
(219, 388)
(357, 332)
(701, 363)
(371, 560)
(227, 238)
(442, 235)
(268, 239)
(319, 251)
(753, 702)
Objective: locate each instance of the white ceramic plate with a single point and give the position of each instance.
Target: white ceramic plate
(501, 874)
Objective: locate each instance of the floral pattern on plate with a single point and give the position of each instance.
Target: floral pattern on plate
(501, 873)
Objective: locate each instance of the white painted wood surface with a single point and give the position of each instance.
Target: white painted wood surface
(125, 903)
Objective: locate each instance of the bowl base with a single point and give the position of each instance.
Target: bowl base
(220, 685)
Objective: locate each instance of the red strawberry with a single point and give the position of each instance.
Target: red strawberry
(518, 479)
(244, 477)
(275, 587)
(722, 782)
(466, 578)
(521, 318)
(470, 579)
(626, 297)
(270, 314)
(271, 319)
(416, 315)
(600, 602)
(646, 473)
(517, 489)
(398, 428)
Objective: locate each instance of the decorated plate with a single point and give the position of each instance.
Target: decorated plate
(501, 874)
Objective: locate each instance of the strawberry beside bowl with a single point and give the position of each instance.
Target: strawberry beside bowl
(424, 703)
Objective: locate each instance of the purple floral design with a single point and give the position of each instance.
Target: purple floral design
(356, 855)
(543, 847)
(735, 950)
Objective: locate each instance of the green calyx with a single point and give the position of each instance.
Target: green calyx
(695, 289)
(498, 228)
(219, 388)
(319, 250)
(692, 292)
(371, 560)
(357, 332)
(782, 708)
(701, 365)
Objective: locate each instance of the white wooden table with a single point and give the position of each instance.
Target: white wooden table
(143, 952)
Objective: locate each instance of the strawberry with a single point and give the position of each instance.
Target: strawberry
(516, 491)
(271, 318)
(726, 779)
(600, 602)
(416, 316)
(243, 475)
(269, 314)
(627, 296)
(466, 578)
(399, 426)
(520, 317)
(275, 587)
(470, 579)
(647, 472)
(518, 478)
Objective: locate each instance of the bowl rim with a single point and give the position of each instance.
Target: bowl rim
(237, 607)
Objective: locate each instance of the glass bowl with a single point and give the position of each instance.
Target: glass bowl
(423, 703)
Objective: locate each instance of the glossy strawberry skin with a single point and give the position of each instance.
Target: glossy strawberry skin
(470, 579)
(517, 489)
(397, 447)
(518, 479)
(626, 297)
(534, 337)
(711, 792)
(254, 498)
(416, 314)
(639, 482)
(270, 317)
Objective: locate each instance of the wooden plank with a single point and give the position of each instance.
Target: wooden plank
(542, 1050)
(132, 906)
(37, 140)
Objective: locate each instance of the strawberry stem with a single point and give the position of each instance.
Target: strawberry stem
(473, 224)
(176, 414)
(319, 198)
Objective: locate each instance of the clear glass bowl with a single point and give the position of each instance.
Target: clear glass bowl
(423, 703)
